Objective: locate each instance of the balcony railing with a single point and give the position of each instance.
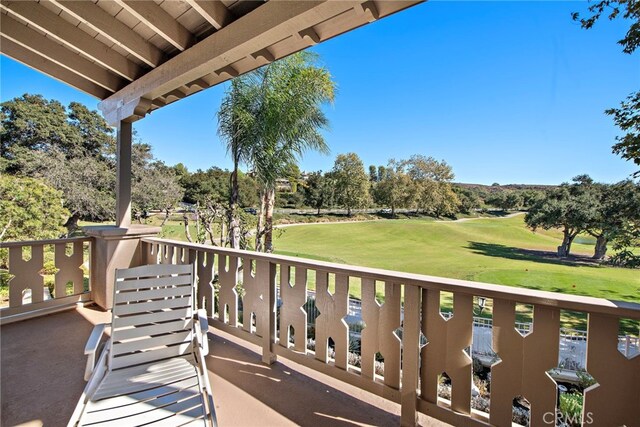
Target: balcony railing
(407, 330)
(45, 276)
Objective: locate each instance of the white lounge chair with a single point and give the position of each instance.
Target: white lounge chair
(151, 370)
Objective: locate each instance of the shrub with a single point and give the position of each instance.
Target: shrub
(625, 258)
(571, 407)
(585, 380)
(5, 276)
(49, 268)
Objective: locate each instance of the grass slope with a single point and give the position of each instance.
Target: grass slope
(496, 250)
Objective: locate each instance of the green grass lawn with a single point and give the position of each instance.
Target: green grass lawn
(493, 250)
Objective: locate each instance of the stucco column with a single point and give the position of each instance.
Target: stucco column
(123, 174)
(114, 247)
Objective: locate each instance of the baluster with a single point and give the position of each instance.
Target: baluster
(266, 313)
(181, 255)
(524, 363)
(69, 269)
(228, 295)
(410, 356)
(150, 253)
(444, 352)
(330, 323)
(204, 269)
(252, 302)
(378, 335)
(370, 344)
(615, 400)
(27, 275)
(291, 312)
(168, 252)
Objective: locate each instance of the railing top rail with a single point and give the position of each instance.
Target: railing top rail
(44, 242)
(521, 295)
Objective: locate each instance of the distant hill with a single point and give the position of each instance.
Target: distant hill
(494, 188)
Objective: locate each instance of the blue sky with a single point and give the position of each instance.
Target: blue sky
(507, 92)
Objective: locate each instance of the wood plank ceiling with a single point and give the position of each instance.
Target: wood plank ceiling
(138, 56)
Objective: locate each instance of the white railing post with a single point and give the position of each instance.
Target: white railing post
(410, 356)
(266, 274)
(626, 345)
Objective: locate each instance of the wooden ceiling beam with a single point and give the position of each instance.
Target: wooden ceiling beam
(154, 17)
(33, 60)
(213, 11)
(229, 70)
(368, 9)
(99, 20)
(57, 28)
(309, 35)
(276, 21)
(265, 54)
(49, 49)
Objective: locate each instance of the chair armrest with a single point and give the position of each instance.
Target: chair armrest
(94, 338)
(203, 324)
(91, 347)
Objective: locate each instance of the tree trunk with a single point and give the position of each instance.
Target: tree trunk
(72, 224)
(348, 210)
(223, 232)
(232, 216)
(208, 227)
(260, 225)
(167, 212)
(565, 247)
(268, 221)
(393, 211)
(601, 247)
(187, 233)
(4, 230)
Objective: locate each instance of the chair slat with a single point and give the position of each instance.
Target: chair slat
(144, 307)
(150, 356)
(149, 343)
(154, 329)
(152, 282)
(179, 421)
(144, 319)
(151, 294)
(153, 270)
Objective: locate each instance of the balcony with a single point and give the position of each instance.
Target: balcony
(256, 305)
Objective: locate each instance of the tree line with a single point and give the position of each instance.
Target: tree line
(71, 150)
(420, 182)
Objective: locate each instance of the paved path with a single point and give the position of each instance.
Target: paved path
(296, 224)
(511, 215)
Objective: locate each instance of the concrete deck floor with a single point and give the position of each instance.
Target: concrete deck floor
(42, 365)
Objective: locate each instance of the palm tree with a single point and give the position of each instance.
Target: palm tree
(234, 121)
(270, 118)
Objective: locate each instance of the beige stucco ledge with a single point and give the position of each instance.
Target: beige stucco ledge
(113, 231)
